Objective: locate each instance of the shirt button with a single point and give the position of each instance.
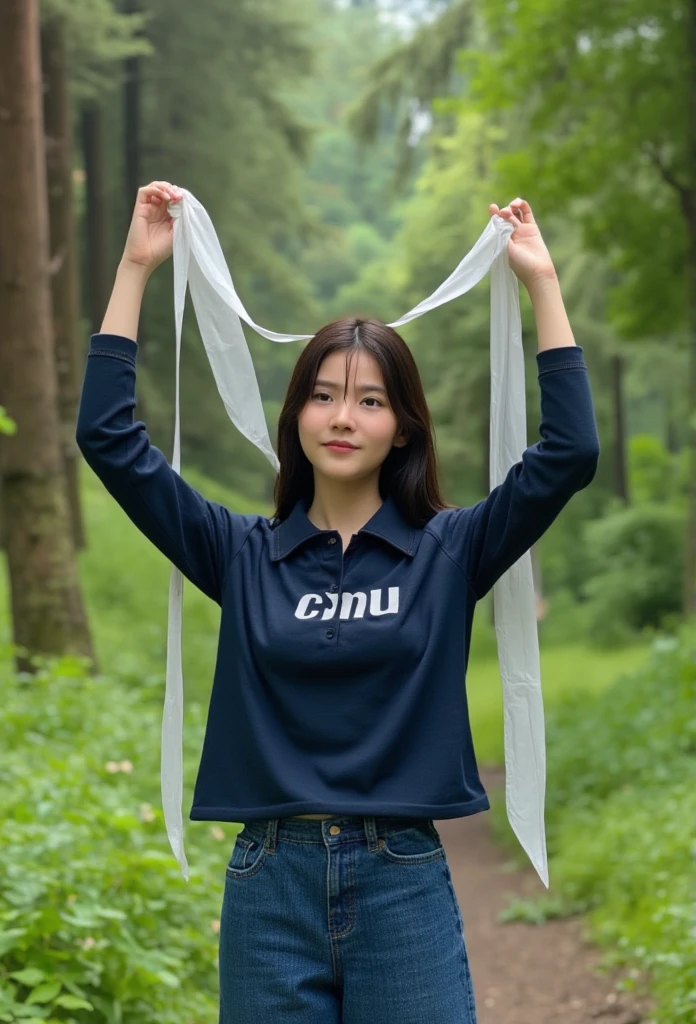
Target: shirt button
(332, 540)
(333, 588)
(329, 634)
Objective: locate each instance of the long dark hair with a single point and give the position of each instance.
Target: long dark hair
(409, 474)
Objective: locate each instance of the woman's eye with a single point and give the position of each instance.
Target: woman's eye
(323, 394)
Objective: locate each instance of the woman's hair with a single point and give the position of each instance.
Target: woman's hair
(409, 474)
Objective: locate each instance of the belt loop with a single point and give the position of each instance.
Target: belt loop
(370, 826)
(271, 840)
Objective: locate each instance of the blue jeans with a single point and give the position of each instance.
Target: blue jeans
(350, 920)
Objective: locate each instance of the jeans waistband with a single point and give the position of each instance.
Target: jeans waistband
(307, 830)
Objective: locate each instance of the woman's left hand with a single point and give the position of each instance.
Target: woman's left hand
(527, 253)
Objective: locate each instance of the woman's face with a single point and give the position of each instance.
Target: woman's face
(364, 418)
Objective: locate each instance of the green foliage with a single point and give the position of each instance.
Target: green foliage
(99, 38)
(613, 572)
(412, 75)
(621, 806)
(637, 734)
(93, 909)
(636, 570)
(214, 120)
(574, 668)
(551, 64)
(347, 185)
(7, 426)
(654, 470)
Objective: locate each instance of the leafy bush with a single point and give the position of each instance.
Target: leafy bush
(631, 862)
(621, 817)
(654, 470)
(614, 574)
(96, 921)
(639, 732)
(636, 571)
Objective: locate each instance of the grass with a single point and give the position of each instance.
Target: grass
(568, 669)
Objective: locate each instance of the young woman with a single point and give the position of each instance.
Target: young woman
(338, 729)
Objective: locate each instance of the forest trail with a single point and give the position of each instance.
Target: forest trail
(524, 973)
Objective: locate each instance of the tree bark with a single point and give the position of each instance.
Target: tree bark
(99, 278)
(689, 206)
(620, 473)
(131, 124)
(132, 109)
(64, 262)
(689, 595)
(48, 615)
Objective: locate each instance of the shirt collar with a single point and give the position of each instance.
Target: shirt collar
(388, 523)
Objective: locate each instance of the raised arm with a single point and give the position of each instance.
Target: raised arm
(199, 536)
(488, 538)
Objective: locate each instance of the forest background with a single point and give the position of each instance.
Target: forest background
(347, 153)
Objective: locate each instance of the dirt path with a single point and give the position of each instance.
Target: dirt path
(524, 973)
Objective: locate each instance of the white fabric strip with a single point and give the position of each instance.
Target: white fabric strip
(200, 263)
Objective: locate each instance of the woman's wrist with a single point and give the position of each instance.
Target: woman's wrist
(123, 312)
(134, 271)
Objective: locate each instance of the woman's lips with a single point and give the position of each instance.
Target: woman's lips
(340, 448)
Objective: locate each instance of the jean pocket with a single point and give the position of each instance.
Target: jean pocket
(418, 844)
(248, 856)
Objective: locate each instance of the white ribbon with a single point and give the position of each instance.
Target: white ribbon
(200, 263)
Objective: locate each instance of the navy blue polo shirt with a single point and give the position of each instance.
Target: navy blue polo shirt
(340, 677)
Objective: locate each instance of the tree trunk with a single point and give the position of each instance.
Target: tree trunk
(688, 198)
(620, 473)
(132, 106)
(47, 610)
(689, 595)
(64, 263)
(131, 124)
(99, 279)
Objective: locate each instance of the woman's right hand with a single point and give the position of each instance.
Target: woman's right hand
(151, 233)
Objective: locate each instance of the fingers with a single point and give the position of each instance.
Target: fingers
(158, 192)
(518, 212)
(506, 213)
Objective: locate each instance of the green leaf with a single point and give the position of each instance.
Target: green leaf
(169, 979)
(45, 993)
(73, 1003)
(7, 426)
(10, 938)
(111, 914)
(30, 976)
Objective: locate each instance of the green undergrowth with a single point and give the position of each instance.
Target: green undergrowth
(621, 823)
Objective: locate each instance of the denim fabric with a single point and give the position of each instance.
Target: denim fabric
(350, 920)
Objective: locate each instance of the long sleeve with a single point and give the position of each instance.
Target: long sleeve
(199, 536)
(488, 538)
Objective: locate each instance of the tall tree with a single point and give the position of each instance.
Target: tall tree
(633, 158)
(215, 121)
(132, 116)
(47, 609)
(64, 260)
(100, 270)
(544, 70)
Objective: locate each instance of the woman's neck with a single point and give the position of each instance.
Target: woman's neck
(343, 507)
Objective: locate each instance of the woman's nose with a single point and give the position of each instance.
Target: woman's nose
(343, 412)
